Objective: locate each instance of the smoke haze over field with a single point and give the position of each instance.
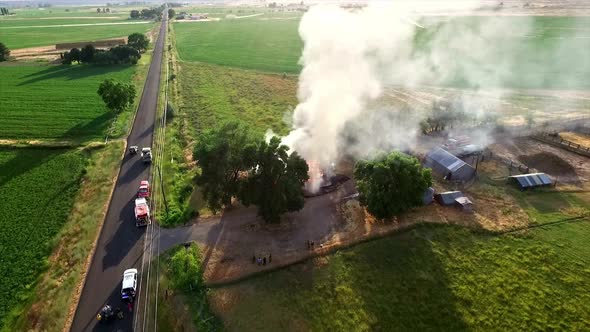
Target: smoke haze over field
(351, 57)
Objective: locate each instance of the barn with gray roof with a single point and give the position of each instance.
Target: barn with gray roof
(449, 166)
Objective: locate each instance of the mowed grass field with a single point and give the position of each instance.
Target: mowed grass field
(267, 45)
(211, 94)
(37, 187)
(31, 36)
(431, 278)
(55, 102)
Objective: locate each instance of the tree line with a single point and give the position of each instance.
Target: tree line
(122, 54)
(237, 163)
(4, 11)
(4, 52)
(145, 13)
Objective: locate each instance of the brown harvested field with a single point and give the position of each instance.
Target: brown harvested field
(52, 52)
(583, 140)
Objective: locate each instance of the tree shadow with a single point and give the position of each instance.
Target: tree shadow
(124, 238)
(17, 165)
(415, 293)
(70, 72)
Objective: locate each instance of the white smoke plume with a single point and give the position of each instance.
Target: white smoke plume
(352, 57)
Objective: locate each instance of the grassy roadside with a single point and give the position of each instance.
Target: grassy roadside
(178, 174)
(67, 265)
(183, 304)
(202, 95)
(53, 292)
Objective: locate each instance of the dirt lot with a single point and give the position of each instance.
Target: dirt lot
(566, 166)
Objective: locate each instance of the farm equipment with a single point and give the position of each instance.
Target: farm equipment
(133, 149)
(146, 155)
(144, 190)
(142, 212)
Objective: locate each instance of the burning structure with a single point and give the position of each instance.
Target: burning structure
(322, 180)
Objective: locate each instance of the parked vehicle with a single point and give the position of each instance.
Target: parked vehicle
(142, 212)
(133, 149)
(129, 285)
(144, 189)
(146, 155)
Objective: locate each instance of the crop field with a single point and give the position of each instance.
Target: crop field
(37, 187)
(539, 55)
(85, 11)
(30, 36)
(430, 278)
(542, 58)
(210, 94)
(55, 102)
(271, 45)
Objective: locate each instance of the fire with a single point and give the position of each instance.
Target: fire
(314, 171)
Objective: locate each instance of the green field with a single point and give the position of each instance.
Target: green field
(66, 11)
(55, 102)
(272, 45)
(210, 94)
(43, 36)
(37, 187)
(10, 24)
(431, 278)
(553, 53)
(539, 52)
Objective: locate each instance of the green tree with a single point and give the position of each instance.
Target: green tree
(185, 268)
(75, 55)
(138, 41)
(4, 52)
(275, 185)
(391, 184)
(116, 95)
(87, 54)
(223, 153)
(171, 13)
(134, 14)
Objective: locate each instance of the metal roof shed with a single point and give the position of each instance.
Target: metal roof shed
(428, 196)
(448, 198)
(464, 203)
(526, 181)
(449, 166)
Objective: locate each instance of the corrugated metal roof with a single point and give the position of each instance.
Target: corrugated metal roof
(532, 180)
(448, 198)
(446, 159)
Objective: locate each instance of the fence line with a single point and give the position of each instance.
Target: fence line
(556, 140)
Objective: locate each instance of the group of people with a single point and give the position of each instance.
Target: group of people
(261, 260)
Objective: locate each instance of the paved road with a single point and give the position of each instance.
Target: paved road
(121, 245)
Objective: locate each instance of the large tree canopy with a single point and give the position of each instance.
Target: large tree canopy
(116, 95)
(275, 185)
(138, 41)
(391, 184)
(223, 153)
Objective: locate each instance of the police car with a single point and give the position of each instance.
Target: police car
(129, 287)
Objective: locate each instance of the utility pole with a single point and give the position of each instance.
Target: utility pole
(163, 191)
